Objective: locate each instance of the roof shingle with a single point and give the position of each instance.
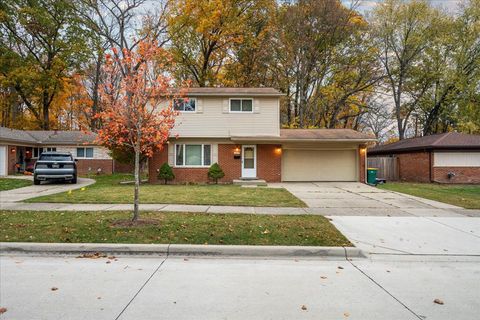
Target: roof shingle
(450, 140)
(46, 137)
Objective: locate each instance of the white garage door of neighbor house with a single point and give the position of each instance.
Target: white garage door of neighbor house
(3, 161)
(319, 165)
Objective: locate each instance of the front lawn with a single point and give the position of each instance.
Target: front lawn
(108, 189)
(9, 184)
(467, 196)
(177, 228)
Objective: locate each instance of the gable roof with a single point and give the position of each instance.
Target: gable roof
(445, 141)
(51, 137)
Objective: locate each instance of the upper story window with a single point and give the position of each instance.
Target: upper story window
(185, 105)
(241, 105)
(84, 152)
(194, 155)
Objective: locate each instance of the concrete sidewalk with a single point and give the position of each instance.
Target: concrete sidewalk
(433, 212)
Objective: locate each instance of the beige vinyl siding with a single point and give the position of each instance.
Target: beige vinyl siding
(320, 163)
(214, 119)
(98, 152)
(456, 159)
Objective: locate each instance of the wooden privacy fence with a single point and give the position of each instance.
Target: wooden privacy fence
(387, 167)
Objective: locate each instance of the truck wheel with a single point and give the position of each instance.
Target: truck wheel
(74, 180)
(36, 181)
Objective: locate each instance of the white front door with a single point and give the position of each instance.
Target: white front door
(3, 161)
(249, 161)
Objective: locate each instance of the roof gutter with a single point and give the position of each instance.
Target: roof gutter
(300, 140)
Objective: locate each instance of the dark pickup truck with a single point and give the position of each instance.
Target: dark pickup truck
(55, 166)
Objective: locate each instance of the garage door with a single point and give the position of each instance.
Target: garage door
(3, 160)
(319, 165)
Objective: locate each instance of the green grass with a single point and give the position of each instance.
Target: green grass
(9, 184)
(108, 189)
(467, 196)
(178, 228)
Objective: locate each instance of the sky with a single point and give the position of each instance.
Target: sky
(366, 5)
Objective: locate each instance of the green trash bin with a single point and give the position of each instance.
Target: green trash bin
(372, 175)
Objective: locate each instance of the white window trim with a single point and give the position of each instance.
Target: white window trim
(183, 165)
(84, 152)
(230, 105)
(186, 111)
(39, 153)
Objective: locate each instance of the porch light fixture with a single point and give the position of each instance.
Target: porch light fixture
(278, 150)
(236, 153)
(13, 150)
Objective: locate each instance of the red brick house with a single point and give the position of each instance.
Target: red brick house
(239, 128)
(445, 158)
(19, 150)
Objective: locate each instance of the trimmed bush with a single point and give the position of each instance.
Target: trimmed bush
(215, 172)
(166, 173)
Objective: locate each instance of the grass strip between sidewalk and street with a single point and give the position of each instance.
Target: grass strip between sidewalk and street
(108, 189)
(175, 228)
(10, 183)
(466, 196)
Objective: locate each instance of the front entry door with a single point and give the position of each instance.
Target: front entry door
(249, 161)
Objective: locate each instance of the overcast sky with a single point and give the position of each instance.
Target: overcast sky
(366, 5)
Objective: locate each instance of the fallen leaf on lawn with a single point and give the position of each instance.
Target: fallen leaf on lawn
(438, 301)
(3, 310)
(346, 314)
(304, 307)
(54, 289)
(266, 231)
(340, 267)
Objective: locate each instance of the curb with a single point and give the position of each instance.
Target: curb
(181, 250)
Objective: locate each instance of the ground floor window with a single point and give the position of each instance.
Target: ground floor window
(84, 152)
(195, 155)
(38, 151)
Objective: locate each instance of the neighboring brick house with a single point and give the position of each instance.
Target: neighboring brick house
(19, 150)
(239, 128)
(445, 158)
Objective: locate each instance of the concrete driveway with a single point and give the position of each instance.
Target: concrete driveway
(44, 189)
(384, 222)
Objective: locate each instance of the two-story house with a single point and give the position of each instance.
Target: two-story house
(239, 128)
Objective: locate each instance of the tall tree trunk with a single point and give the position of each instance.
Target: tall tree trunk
(45, 112)
(137, 182)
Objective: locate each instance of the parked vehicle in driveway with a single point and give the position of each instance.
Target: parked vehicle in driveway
(55, 166)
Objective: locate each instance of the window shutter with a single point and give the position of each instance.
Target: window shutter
(171, 154)
(256, 105)
(199, 105)
(225, 105)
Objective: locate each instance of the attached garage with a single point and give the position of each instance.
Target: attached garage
(319, 165)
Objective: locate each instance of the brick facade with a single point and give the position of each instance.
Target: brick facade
(268, 165)
(85, 166)
(462, 174)
(12, 159)
(418, 167)
(362, 154)
(414, 166)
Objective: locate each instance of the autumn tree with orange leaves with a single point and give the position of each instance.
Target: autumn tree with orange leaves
(136, 99)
